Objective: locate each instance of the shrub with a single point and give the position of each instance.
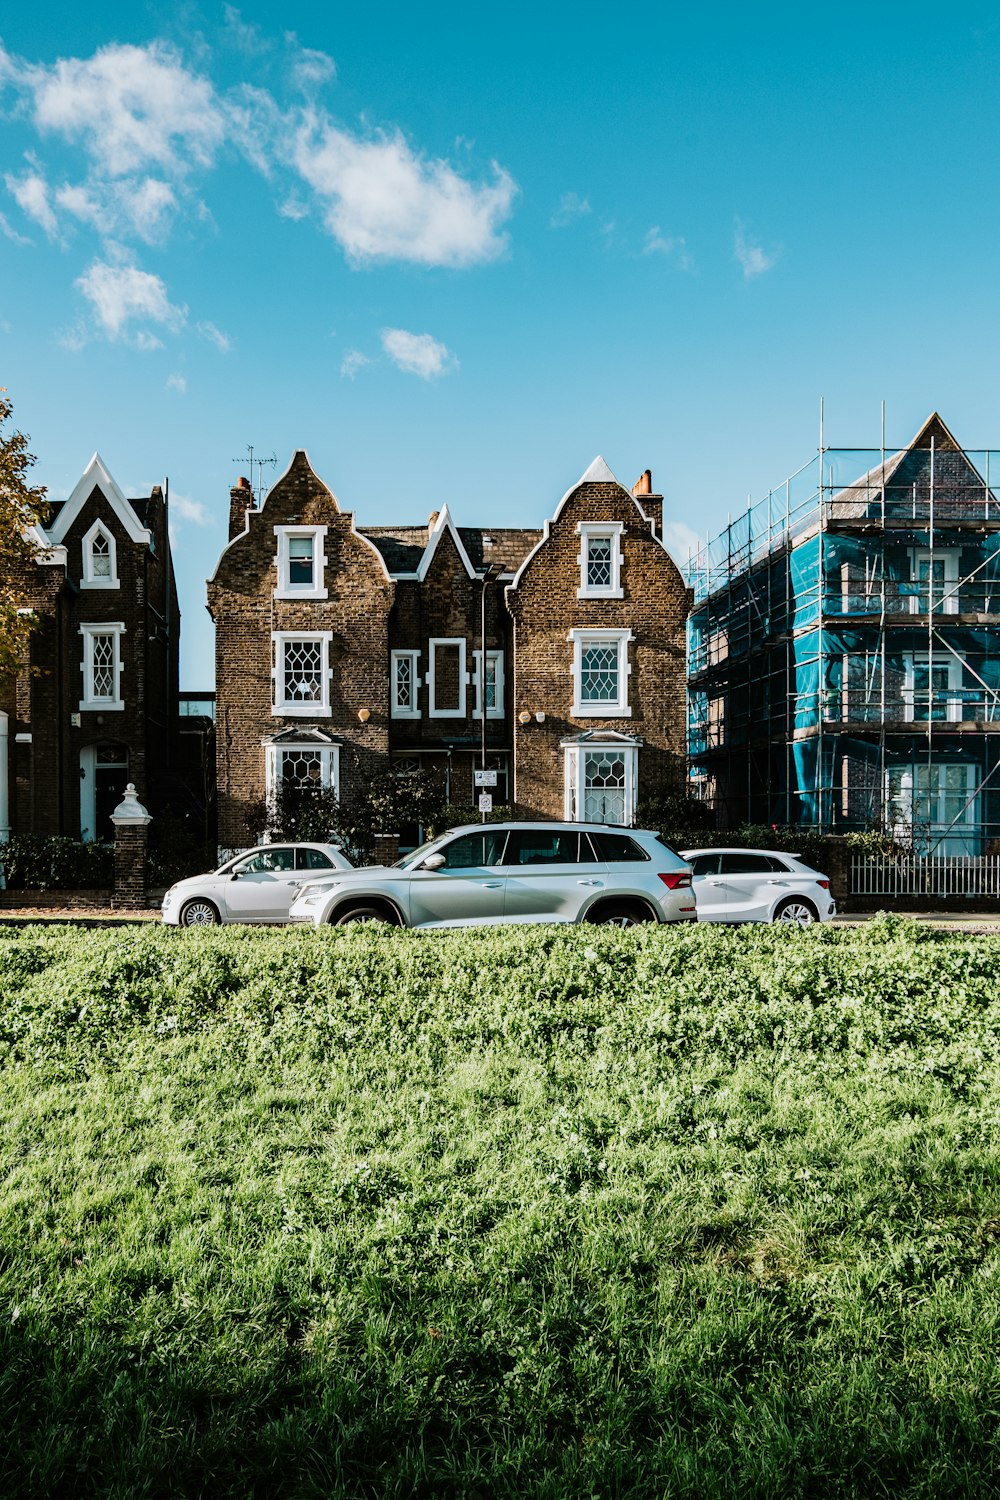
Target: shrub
(32, 861)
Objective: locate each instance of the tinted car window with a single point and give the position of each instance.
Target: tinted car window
(746, 864)
(267, 859)
(313, 859)
(616, 848)
(545, 846)
(473, 850)
(705, 864)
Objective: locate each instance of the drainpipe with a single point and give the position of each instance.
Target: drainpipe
(4, 780)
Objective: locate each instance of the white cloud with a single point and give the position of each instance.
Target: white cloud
(352, 362)
(682, 540)
(31, 194)
(569, 208)
(294, 208)
(130, 107)
(655, 242)
(242, 35)
(120, 294)
(384, 202)
(215, 336)
(188, 510)
(177, 383)
(9, 232)
(752, 256)
(417, 353)
(309, 67)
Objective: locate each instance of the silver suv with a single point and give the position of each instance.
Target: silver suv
(512, 872)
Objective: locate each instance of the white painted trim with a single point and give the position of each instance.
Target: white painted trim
(442, 524)
(594, 530)
(298, 710)
(96, 474)
(88, 578)
(463, 677)
(496, 712)
(116, 629)
(620, 708)
(574, 777)
(329, 758)
(317, 589)
(953, 705)
(413, 712)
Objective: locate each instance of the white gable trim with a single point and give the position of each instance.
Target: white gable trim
(96, 475)
(597, 473)
(442, 524)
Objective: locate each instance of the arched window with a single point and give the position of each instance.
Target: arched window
(100, 562)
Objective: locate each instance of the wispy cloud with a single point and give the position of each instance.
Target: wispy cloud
(177, 383)
(31, 194)
(352, 362)
(120, 295)
(9, 232)
(417, 353)
(309, 68)
(185, 509)
(682, 541)
(215, 336)
(655, 242)
(382, 200)
(569, 208)
(751, 255)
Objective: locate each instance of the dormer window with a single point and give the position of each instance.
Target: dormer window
(600, 560)
(100, 562)
(301, 562)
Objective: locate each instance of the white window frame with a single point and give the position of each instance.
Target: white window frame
(496, 657)
(906, 799)
(581, 637)
(329, 757)
(116, 629)
(397, 710)
(463, 677)
(88, 578)
(949, 557)
(954, 705)
(286, 589)
(574, 777)
(282, 709)
(603, 530)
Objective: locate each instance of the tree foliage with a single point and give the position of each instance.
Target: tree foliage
(22, 507)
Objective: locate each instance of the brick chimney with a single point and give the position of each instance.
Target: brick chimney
(240, 501)
(651, 504)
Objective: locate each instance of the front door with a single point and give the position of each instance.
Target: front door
(103, 779)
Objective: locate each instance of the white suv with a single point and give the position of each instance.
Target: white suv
(759, 885)
(512, 872)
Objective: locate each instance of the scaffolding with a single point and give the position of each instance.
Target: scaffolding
(843, 662)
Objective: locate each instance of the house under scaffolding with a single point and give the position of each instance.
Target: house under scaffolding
(844, 670)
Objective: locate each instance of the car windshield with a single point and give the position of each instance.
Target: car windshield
(405, 860)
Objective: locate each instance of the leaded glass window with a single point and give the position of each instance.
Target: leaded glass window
(303, 671)
(599, 575)
(100, 556)
(102, 666)
(599, 672)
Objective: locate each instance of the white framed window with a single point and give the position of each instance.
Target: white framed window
(102, 665)
(494, 684)
(600, 783)
(302, 765)
(935, 575)
(302, 673)
(600, 560)
(405, 682)
(932, 687)
(934, 808)
(447, 678)
(100, 559)
(301, 562)
(600, 673)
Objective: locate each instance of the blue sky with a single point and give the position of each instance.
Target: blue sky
(455, 252)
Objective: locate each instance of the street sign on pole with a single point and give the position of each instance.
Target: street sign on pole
(485, 802)
(485, 778)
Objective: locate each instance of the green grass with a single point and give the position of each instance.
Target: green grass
(520, 1212)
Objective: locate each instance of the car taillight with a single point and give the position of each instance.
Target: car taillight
(675, 879)
(824, 883)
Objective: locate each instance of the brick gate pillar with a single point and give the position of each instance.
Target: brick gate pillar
(131, 821)
(386, 848)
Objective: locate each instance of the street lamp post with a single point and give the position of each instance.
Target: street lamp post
(489, 574)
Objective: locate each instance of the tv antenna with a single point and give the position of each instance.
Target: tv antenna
(258, 489)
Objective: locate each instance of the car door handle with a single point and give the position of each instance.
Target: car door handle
(492, 885)
(590, 882)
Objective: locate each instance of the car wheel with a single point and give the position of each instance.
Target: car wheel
(796, 910)
(621, 914)
(366, 914)
(198, 913)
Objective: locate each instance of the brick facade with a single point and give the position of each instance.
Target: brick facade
(419, 592)
(69, 758)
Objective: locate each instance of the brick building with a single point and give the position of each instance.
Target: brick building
(94, 705)
(343, 650)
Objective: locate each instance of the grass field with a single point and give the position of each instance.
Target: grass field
(519, 1212)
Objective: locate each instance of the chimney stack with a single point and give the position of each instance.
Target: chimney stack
(651, 504)
(240, 502)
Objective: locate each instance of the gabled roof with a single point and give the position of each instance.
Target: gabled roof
(403, 547)
(909, 470)
(97, 476)
(601, 737)
(311, 735)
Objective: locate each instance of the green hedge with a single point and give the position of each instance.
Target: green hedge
(33, 862)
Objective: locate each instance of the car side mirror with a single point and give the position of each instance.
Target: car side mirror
(433, 862)
(234, 875)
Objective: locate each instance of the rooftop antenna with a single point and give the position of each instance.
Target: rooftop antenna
(258, 489)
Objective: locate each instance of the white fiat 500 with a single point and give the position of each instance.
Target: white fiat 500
(258, 885)
(758, 885)
(512, 872)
